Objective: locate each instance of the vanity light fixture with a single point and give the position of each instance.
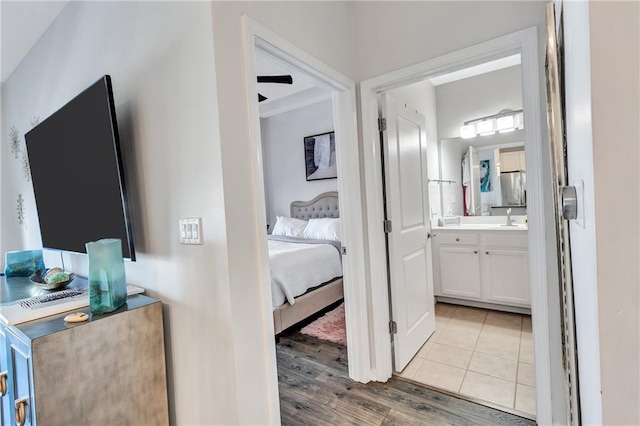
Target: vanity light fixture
(486, 127)
(468, 131)
(506, 123)
(502, 122)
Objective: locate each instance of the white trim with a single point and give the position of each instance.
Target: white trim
(484, 305)
(349, 185)
(525, 42)
(579, 128)
(486, 67)
(293, 102)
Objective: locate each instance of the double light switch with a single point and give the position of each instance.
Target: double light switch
(190, 230)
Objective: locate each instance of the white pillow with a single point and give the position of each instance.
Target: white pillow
(323, 229)
(289, 227)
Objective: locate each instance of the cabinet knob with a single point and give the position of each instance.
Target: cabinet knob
(3, 383)
(475, 252)
(486, 252)
(457, 239)
(21, 411)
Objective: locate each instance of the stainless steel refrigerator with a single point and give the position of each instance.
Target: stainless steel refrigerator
(513, 187)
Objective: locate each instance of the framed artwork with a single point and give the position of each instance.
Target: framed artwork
(320, 156)
(485, 176)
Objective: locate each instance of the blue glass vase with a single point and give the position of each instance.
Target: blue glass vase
(22, 263)
(107, 281)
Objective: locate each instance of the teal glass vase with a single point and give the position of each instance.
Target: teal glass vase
(22, 263)
(107, 281)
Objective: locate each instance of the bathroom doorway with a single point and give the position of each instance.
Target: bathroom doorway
(498, 257)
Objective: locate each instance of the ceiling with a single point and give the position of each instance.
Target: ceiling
(268, 65)
(284, 97)
(484, 68)
(22, 23)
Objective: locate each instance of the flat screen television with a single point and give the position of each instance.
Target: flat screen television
(77, 173)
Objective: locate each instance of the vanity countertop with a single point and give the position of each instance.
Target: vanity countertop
(520, 227)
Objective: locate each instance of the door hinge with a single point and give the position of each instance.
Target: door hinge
(393, 327)
(382, 124)
(343, 250)
(387, 226)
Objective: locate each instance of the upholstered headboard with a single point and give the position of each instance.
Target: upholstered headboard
(324, 205)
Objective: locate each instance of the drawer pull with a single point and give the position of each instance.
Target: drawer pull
(486, 252)
(457, 239)
(475, 252)
(3, 383)
(21, 411)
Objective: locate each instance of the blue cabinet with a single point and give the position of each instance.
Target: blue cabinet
(20, 379)
(6, 413)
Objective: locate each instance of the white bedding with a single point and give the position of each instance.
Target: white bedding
(296, 267)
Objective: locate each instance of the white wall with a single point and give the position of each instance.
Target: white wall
(283, 150)
(451, 153)
(615, 95)
(160, 57)
(476, 97)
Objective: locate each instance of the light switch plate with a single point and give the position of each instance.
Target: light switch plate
(191, 230)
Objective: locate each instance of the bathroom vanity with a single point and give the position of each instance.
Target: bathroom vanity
(483, 265)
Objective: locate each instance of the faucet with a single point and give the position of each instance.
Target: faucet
(510, 221)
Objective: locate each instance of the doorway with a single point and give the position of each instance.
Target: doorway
(481, 344)
(525, 44)
(341, 93)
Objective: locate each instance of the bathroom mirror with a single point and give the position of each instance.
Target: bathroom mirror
(482, 176)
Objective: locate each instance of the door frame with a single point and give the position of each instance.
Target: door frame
(524, 42)
(343, 90)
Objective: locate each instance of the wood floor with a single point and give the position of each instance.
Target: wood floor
(315, 389)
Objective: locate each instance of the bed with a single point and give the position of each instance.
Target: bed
(321, 259)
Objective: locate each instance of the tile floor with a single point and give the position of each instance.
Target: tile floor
(480, 353)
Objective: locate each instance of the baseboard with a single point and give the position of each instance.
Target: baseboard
(484, 305)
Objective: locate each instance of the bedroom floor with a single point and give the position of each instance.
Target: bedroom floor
(315, 389)
(484, 354)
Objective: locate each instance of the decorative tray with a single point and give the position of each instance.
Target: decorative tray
(38, 279)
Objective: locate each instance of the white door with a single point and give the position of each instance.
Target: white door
(407, 209)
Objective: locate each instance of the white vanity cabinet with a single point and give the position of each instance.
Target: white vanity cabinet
(489, 266)
(459, 266)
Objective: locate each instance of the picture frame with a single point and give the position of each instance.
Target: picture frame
(485, 176)
(320, 156)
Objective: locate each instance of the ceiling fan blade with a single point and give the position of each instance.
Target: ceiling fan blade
(261, 98)
(280, 79)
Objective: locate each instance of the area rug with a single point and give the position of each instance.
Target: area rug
(330, 326)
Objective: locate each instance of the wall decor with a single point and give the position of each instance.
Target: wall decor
(14, 141)
(26, 167)
(21, 210)
(485, 176)
(320, 156)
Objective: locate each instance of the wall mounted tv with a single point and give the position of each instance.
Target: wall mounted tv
(77, 173)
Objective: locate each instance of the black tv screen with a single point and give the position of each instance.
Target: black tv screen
(77, 173)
